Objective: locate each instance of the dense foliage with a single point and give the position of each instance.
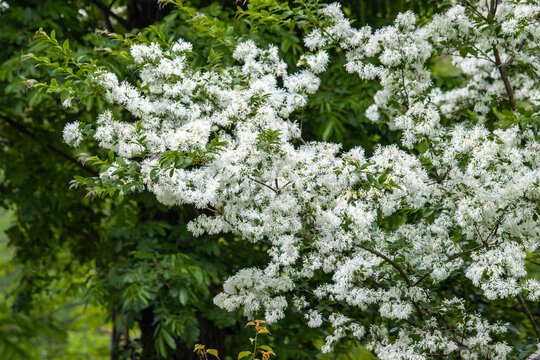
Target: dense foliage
(128, 256)
(422, 249)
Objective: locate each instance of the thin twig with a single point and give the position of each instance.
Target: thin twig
(533, 262)
(473, 9)
(519, 48)
(406, 100)
(263, 184)
(420, 280)
(284, 186)
(529, 315)
(391, 262)
(479, 247)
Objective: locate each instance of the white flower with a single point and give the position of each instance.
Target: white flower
(314, 319)
(67, 103)
(73, 134)
(370, 233)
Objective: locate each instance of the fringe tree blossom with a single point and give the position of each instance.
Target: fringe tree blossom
(454, 201)
(73, 134)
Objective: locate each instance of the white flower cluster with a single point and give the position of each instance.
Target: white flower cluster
(73, 134)
(399, 55)
(471, 194)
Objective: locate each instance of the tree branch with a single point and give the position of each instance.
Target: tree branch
(473, 9)
(529, 315)
(466, 252)
(533, 262)
(106, 9)
(23, 130)
(519, 48)
(105, 15)
(504, 76)
(391, 262)
(263, 184)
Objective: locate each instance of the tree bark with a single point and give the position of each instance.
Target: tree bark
(209, 335)
(505, 79)
(141, 13)
(147, 327)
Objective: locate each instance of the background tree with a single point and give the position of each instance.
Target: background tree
(130, 255)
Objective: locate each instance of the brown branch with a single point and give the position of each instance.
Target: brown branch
(421, 278)
(23, 130)
(478, 233)
(479, 247)
(438, 178)
(473, 9)
(105, 16)
(283, 187)
(529, 315)
(263, 184)
(406, 100)
(461, 157)
(391, 262)
(520, 47)
(493, 7)
(504, 76)
(106, 9)
(485, 242)
(486, 56)
(318, 25)
(533, 262)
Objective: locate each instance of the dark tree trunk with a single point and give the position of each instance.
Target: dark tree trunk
(114, 339)
(147, 327)
(209, 335)
(141, 13)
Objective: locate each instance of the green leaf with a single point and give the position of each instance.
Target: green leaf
(168, 338)
(243, 354)
(161, 346)
(183, 296)
(213, 352)
(266, 348)
(65, 45)
(327, 132)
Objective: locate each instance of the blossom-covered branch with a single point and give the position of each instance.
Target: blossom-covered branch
(457, 197)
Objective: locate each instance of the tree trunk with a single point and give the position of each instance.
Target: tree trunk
(141, 13)
(209, 335)
(147, 327)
